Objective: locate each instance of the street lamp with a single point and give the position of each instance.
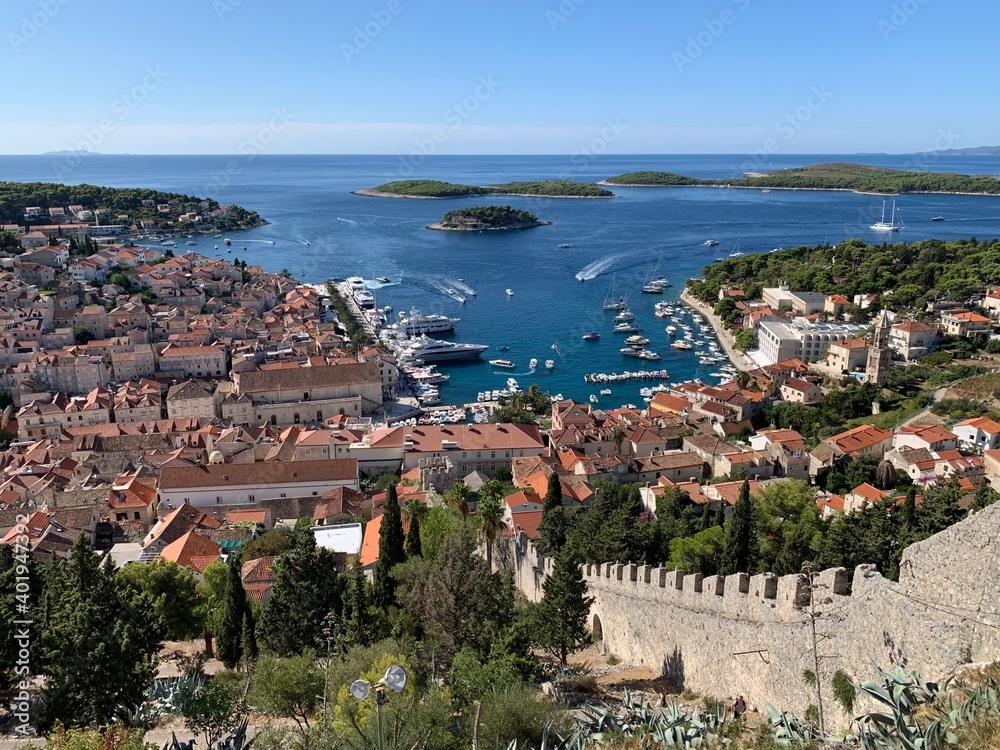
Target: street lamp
(395, 678)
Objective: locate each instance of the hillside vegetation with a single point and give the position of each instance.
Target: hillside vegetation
(438, 189)
(908, 275)
(491, 217)
(832, 176)
(16, 196)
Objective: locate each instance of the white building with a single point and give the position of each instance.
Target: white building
(807, 340)
(232, 484)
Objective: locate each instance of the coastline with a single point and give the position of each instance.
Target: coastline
(372, 193)
(438, 226)
(605, 183)
(740, 360)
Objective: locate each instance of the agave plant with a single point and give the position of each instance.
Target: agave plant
(786, 729)
(904, 694)
(236, 741)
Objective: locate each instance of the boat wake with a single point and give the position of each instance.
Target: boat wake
(264, 242)
(447, 291)
(347, 221)
(460, 286)
(595, 269)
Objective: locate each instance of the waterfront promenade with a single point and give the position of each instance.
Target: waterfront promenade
(740, 360)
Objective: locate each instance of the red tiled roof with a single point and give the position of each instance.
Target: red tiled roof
(192, 550)
(369, 544)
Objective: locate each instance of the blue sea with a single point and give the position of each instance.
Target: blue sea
(308, 199)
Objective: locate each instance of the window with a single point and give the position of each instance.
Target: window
(305, 396)
(283, 495)
(137, 515)
(218, 499)
(315, 493)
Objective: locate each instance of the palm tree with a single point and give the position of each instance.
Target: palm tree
(742, 379)
(458, 498)
(489, 514)
(618, 437)
(492, 489)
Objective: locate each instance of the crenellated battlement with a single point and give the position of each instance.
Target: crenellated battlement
(753, 634)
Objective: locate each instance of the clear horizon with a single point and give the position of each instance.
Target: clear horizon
(446, 77)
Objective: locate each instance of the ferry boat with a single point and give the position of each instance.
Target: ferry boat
(504, 363)
(887, 226)
(435, 350)
(592, 336)
(415, 324)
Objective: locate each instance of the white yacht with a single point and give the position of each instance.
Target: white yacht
(416, 324)
(550, 364)
(435, 350)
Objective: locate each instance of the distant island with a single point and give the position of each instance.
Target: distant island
(973, 151)
(438, 189)
(858, 178)
(487, 218)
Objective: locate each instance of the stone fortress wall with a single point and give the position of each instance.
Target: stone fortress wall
(752, 635)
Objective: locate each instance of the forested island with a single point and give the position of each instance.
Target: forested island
(906, 275)
(438, 189)
(140, 204)
(491, 218)
(858, 178)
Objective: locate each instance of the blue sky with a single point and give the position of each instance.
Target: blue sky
(499, 76)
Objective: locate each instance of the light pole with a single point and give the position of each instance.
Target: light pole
(395, 678)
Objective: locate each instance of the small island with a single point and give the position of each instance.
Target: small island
(438, 189)
(858, 178)
(487, 218)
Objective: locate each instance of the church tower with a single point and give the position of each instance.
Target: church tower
(879, 354)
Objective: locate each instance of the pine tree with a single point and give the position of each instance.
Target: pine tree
(235, 609)
(307, 588)
(984, 497)
(739, 555)
(908, 513)
(391, 550)
(553, 494)
(98, 644)
(248, 644)
(563, 612)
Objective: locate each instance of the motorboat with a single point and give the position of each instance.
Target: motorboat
(550, 364)
(711, 243)
(605, 391)
(190, 242)
(593, 398)
(937, 218)
(648, 355)
(227, 241)
(510, 292)
(632, 351)
(628, 327)
(435, 350)
(681, 345)
(383, 279)
(624, 316)
(592, 336)
(563, 246)
(504, 363)
(672, 330)
(532, 363)
(636, 340)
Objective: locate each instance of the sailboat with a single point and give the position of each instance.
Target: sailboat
(737, 253)
(891, 225)
(654, 284)
(610, 303)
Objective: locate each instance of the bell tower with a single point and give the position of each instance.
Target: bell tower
(879, 354)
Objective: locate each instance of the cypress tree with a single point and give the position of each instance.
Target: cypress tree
(235, 610)
(720, 514)
(562, 614)
(355, 614)
(553, 494)
(908, 516)
(739, 554)
(391, 550)
(413, 546)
